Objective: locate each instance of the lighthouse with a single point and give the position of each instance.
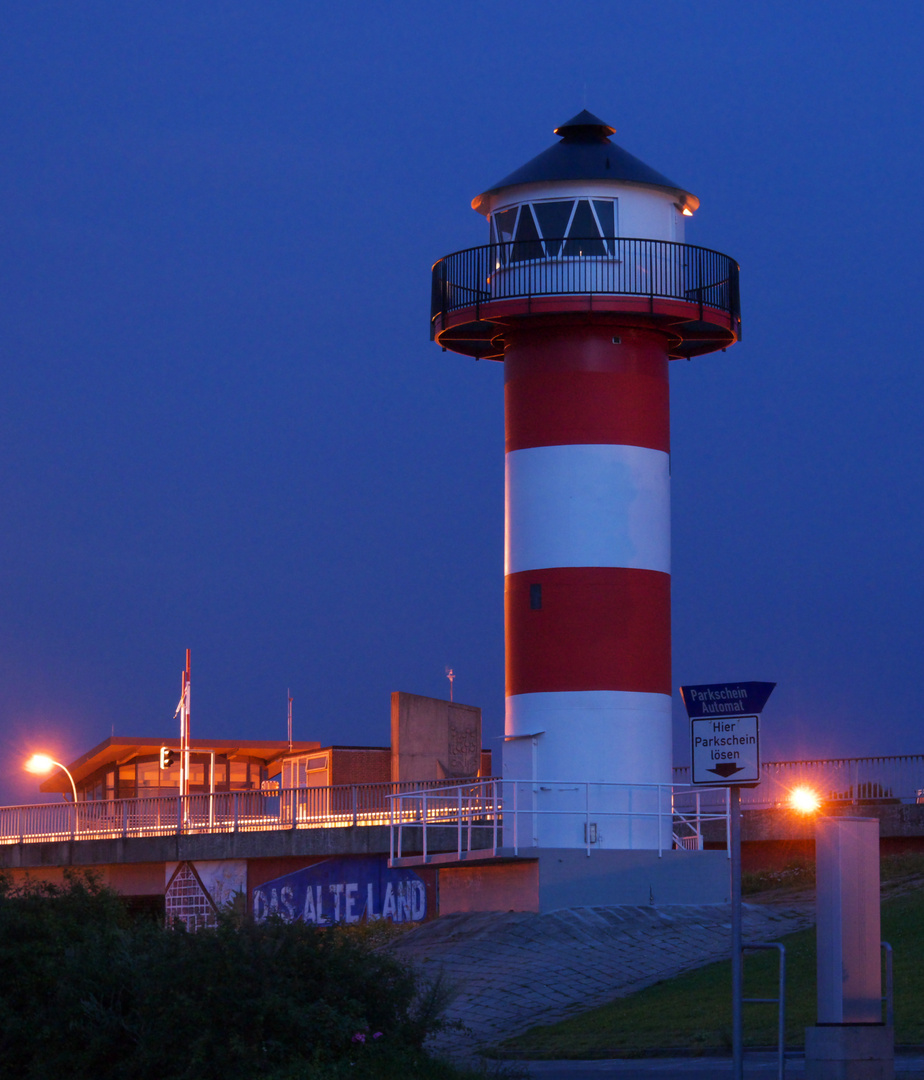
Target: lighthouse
(586, 291)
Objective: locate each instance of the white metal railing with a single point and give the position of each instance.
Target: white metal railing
(894, 778)
(488, 815)
(221, 812)
(897, 778)
(467, 807)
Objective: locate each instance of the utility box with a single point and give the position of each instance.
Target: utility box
(847, 902)
(850, 1041)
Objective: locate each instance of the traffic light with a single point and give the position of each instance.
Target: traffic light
(166, 757)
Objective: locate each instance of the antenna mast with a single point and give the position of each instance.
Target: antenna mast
(289, 695)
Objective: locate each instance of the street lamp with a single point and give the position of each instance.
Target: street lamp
(39, 764)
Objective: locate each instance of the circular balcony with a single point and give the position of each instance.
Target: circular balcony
(691, 293)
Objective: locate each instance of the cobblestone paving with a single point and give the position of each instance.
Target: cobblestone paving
(511, 971)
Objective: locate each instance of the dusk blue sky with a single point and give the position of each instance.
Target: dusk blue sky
(223, 425)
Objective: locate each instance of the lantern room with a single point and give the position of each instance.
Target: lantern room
(586, 227)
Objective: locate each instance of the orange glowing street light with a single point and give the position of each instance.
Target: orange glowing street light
(39, 764)
(804, 800)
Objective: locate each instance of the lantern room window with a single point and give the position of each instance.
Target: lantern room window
(555, 228)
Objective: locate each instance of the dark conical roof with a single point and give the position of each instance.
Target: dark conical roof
(586, 152)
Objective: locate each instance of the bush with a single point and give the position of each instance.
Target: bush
(87, 991)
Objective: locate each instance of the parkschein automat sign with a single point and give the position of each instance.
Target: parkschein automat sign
(725, 730)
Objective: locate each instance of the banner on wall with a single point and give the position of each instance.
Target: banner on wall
(343, 890)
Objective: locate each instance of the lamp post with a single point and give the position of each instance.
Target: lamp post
(39, 764)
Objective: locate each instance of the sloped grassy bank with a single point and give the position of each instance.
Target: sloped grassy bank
(692, 1013)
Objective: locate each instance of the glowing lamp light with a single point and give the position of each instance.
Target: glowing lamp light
(804, 800)
(687, 212)
(39, 764)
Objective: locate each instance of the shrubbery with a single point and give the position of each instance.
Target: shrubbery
(88, 991)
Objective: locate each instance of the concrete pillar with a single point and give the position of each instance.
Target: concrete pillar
(850, 1041)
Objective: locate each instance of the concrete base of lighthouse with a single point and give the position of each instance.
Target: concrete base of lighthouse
(588, 767)
(563, 878)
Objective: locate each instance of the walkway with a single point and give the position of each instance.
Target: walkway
(512, 971)
(757, 1066)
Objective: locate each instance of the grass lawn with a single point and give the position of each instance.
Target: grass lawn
(693, 1011)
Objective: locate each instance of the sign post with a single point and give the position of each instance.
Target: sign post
(725, 735)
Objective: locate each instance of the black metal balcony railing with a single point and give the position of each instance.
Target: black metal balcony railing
(656, 269)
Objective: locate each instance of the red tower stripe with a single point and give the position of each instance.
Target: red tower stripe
(573, 385)
(565, 408)
(598, 628)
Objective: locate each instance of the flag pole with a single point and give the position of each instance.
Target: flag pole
(186, 711)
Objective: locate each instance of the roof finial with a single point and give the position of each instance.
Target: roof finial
(585, 125)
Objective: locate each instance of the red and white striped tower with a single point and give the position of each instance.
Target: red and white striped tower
(586, 290)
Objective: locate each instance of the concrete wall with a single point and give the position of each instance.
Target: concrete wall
(568, 878)
(271, 844)
(565, 878)
(502, 887)
(433, 739)
(363, 840)
(130, 879)
(221, 877)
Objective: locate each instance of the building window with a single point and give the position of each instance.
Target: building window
(149, 773)
(306, 771)
(127, 781)
(239, 780)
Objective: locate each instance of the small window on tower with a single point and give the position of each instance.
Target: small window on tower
(527, 246)
(535, 597)
(504, 225)
(553, 219)
(584, 236)
(504, 222)
(605, 210)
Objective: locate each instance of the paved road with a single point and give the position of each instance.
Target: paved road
(756, 1067)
